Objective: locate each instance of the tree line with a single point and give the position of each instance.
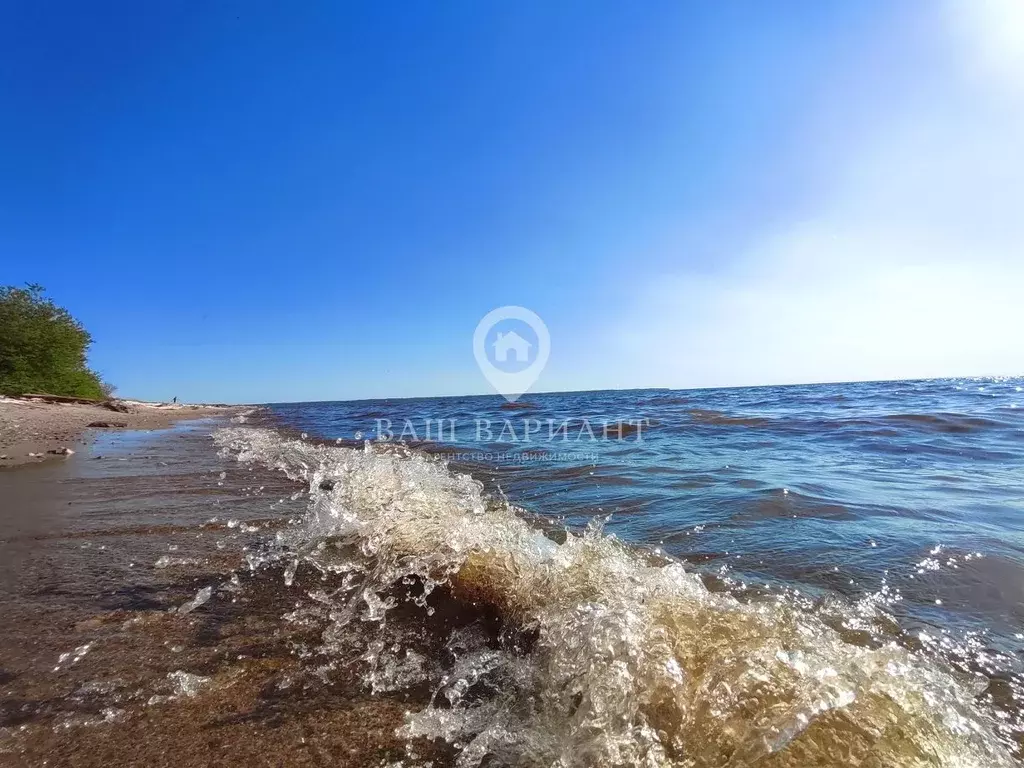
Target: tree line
(43, 348)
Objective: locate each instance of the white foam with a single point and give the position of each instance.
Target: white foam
(634, 662)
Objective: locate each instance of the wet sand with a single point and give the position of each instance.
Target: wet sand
(32, 430)
(99, 666)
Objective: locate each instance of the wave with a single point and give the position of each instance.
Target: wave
(517, 405)
(703, 416)
(955, 423)
(783, 503)
(667, 400)
(608, 656)
(888, 425)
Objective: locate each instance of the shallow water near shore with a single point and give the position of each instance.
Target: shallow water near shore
(790, 576)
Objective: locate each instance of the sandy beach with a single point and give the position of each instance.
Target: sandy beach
(99, 663)
(32, 430)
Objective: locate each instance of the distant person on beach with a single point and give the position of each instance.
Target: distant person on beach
(174, 399)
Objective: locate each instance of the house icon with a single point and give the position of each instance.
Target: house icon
(511, 341)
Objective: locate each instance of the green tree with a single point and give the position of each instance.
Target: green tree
(42, 347)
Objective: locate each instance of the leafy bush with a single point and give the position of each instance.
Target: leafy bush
(42, 347)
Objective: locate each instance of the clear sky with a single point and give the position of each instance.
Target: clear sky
(249, 201)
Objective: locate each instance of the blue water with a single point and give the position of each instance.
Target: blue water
(913, 489)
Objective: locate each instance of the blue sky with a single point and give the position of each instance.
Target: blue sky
(267, 201)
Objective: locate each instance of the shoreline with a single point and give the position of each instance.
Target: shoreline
(33, 430)
(138, 633)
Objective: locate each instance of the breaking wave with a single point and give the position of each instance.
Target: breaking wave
(606, 655)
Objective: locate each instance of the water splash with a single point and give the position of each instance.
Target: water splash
(201, 598)
(606, 655)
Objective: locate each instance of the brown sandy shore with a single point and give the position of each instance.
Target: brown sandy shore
(136, 634)
(32, 430)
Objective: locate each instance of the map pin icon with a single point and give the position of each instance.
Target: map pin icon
(511, 350)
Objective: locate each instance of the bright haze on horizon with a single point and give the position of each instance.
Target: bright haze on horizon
(266, 202)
